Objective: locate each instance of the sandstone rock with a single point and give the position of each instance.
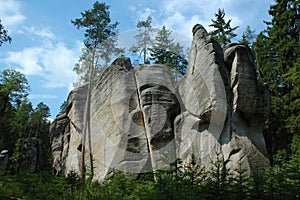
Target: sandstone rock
(204, 93)
(59, 139)
(140, 121)
(160, 105)
(249, 107)
(31, 154)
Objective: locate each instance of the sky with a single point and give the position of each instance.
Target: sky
(45, 45)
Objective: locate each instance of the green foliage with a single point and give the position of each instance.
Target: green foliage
(97, 24)
(63, 107)
(143, 38)
(4, 37)
(248, 37)
(19, 121)
(13, 88)
(277, 55)
(100, 41)
(165, 51)
(13, 93)
(223, 32)
(189, 181)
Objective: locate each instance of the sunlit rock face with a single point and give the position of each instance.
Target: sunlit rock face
(140, 120)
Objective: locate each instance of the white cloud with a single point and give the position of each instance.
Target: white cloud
(58, 65)
(44, 33)
(42, 96)
(10, 13)
(53, 63)
(27, 59)
(182, 16)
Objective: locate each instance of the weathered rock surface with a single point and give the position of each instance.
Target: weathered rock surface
(32, 155)
(139, 121)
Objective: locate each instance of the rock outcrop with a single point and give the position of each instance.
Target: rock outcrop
(141, 121)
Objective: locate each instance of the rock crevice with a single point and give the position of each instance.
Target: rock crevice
(141, 121)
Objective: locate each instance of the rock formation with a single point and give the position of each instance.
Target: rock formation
(141, 121)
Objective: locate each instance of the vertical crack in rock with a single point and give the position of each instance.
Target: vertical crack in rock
(141, 122)
(249, 110)
(159, 106)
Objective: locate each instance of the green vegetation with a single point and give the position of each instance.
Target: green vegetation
(19, 121)
(161, 49)
(143, 39)
(184, 182)
(100, 41)
(277, 51)
(223, 32)
(166, 51)
(278, 64)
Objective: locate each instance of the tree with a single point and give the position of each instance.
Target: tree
(223, 32)
(4, 37)
(13, 88)
(248, 37)
(63, 107)
(165, 51)
(19, 129)
(19, 121)
(13, 92)
(277, 55)
(100, 40)
(98, 28)
(143, 38)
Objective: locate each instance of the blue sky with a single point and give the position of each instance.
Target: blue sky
(46, 46)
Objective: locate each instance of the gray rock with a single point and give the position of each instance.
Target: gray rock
(139, 121)
(205, 94)
(249, 108)
(31, 154)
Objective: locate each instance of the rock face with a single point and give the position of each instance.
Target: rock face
(32, 155)
(140, 121)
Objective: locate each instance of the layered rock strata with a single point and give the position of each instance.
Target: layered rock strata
(139, 121)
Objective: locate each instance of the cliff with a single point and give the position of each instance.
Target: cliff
(141, 121)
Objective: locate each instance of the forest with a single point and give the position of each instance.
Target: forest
(276, 50)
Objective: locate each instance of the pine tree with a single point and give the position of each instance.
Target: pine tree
(98, 29)
(143, 39)
(223, 32)
(100, 41)
(277, 55)
(166, 51)
(248, 37)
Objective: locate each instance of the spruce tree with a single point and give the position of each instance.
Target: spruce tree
(166, 51)
(223, 32)
(248, 37)
(277, 56)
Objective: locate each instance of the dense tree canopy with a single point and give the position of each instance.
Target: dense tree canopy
(277, 56)
(18, 119)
